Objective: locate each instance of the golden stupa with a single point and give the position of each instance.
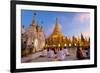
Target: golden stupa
(56, 33)
(56, 38)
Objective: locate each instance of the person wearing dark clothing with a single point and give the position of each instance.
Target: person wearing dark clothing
(79, 53)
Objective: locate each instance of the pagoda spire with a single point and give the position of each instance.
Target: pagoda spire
(57, 21)
(34, 19)
(57, 29)
(56, 37)
(56, 32)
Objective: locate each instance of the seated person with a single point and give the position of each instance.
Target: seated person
(66, 51)
(79, 53)
(88, 53)
(44, 52)
(61, 54)
(51, 53)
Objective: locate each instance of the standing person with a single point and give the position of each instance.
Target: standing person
(60, 54)
(66, 51)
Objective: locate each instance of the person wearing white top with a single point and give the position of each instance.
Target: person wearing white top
(51, 53)
(44, 52)
(61, 54)
(66, 51)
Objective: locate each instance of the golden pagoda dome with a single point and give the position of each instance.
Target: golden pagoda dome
(56, 38)
(56, 33)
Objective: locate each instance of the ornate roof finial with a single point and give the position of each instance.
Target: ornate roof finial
(23, 26)
(56, 21)
(34, 19)
(34, 14)
(57, 26)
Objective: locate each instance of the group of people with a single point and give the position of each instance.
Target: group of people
(62, 53)
(56, 53)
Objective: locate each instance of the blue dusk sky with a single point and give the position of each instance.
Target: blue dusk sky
(70, 23)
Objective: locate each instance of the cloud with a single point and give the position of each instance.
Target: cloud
(60, 26)
(63, 20)
(82, 17)
(86, 34)
(52, 28)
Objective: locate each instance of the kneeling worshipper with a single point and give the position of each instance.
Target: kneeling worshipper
(66, 51)
(88, 53)
(44, 52)
(79, 53)
(61, 54)
(51, 53)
